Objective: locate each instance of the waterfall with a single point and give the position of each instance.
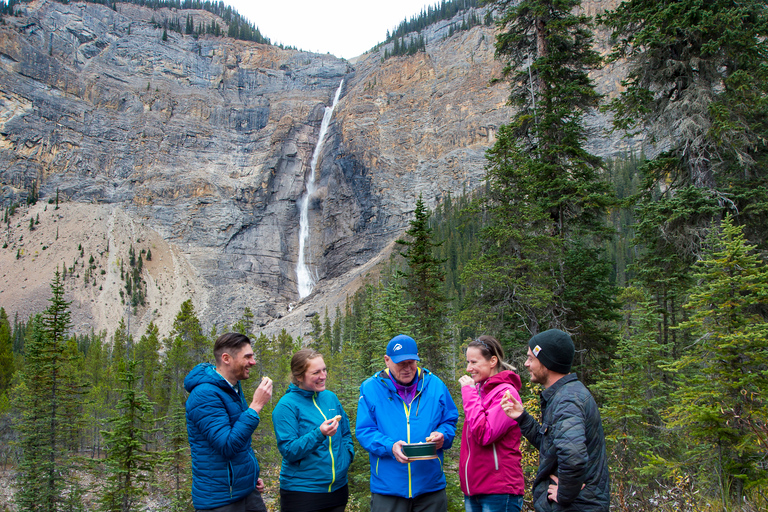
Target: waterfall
(304, 277)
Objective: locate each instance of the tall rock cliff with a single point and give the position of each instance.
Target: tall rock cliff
(196, 150)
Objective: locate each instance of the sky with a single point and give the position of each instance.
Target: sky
(344, 28)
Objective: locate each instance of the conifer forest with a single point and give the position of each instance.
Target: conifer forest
(655, 264)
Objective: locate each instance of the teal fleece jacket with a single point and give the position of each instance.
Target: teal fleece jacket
(312, 462)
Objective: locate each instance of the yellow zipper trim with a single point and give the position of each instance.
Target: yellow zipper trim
(408, 423)
(330, 447)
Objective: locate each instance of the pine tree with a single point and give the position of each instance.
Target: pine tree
(547, 202)
(184, 348)
(129, 465)
(176, 457)
(424, 286)
(7, 365)
(634, 391)
(44, 398)
(695, 72)
(722, 379)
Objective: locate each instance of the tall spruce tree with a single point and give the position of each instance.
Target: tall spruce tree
(720, 397)
(44, 398)
(129, 465)
(424, 286)
(7, 365)
(547, 202)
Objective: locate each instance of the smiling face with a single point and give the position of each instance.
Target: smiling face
(314, 376)
(480, 368)
(404, 372)
(539, 373)
(241, 362)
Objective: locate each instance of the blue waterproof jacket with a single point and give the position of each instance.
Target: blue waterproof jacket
(219, 425)
(312, 462)
(384, 418)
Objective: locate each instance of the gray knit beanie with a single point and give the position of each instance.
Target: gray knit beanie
(554, 349)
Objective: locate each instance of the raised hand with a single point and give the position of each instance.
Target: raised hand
(262, 395)
(511, 406)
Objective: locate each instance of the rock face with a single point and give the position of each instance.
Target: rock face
(203, 145)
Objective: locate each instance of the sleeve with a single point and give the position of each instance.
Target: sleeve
(367, 429)
(486, 426)
(208, 414)
(291, 445)
(449, 418)
(530, 429)
(572, 457)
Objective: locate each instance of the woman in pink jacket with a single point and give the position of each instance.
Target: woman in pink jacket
(490, 470)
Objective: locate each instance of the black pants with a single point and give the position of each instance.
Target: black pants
(297, 501)
(251, 503)
(430, 502)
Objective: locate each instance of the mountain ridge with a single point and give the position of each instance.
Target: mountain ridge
(203, 144)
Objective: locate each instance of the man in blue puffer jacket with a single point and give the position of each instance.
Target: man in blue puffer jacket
(405, 404)
(225, 472)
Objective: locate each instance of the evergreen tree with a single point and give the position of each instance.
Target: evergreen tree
(690, 62)
(634, 391)
(424, 286)
(722, 377)
(43, 398)
(184, 348)
(176, 457)
(7, 365)
(129, 466)
(547, 202)
(147, 356)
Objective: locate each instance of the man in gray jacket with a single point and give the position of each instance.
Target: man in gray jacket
(573, 467)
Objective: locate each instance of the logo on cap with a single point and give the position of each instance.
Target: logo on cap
(536, 351)
(397, 347)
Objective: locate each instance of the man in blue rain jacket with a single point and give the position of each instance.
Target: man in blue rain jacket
(405, 404)
(220, 422)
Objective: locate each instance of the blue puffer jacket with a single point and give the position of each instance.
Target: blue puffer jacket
(383, 418)
(219, 425)
(311, 461)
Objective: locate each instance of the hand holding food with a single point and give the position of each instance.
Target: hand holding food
(330, 426)
(511, 406)
(262, 395)
(466, 380)
(437, 438)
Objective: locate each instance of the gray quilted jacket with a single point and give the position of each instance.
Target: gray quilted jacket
(571, 446)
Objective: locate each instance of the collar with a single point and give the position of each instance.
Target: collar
(293, 388)
(419, 372)
(548, 393)
(233, 386)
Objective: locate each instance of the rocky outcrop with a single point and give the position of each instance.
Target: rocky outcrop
(204, 144)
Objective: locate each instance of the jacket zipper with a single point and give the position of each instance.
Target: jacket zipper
(495, 457)
(466, 468)
(408, 437)
(330, 446)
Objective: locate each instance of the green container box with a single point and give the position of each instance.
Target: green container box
(420, 450)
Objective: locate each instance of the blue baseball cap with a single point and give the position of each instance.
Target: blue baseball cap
(402, 348)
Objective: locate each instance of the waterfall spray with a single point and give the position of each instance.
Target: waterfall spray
(304, 277)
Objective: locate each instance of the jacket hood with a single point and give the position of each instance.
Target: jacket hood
(503, 377)
(204, 373)
(293, 388)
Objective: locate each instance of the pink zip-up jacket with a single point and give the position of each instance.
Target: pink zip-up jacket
(490, 442)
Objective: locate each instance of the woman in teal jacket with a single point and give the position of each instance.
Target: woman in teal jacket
(314, 438)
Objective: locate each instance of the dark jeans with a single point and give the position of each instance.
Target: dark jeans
(430, 502)
(251, 503)
(493, 503)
